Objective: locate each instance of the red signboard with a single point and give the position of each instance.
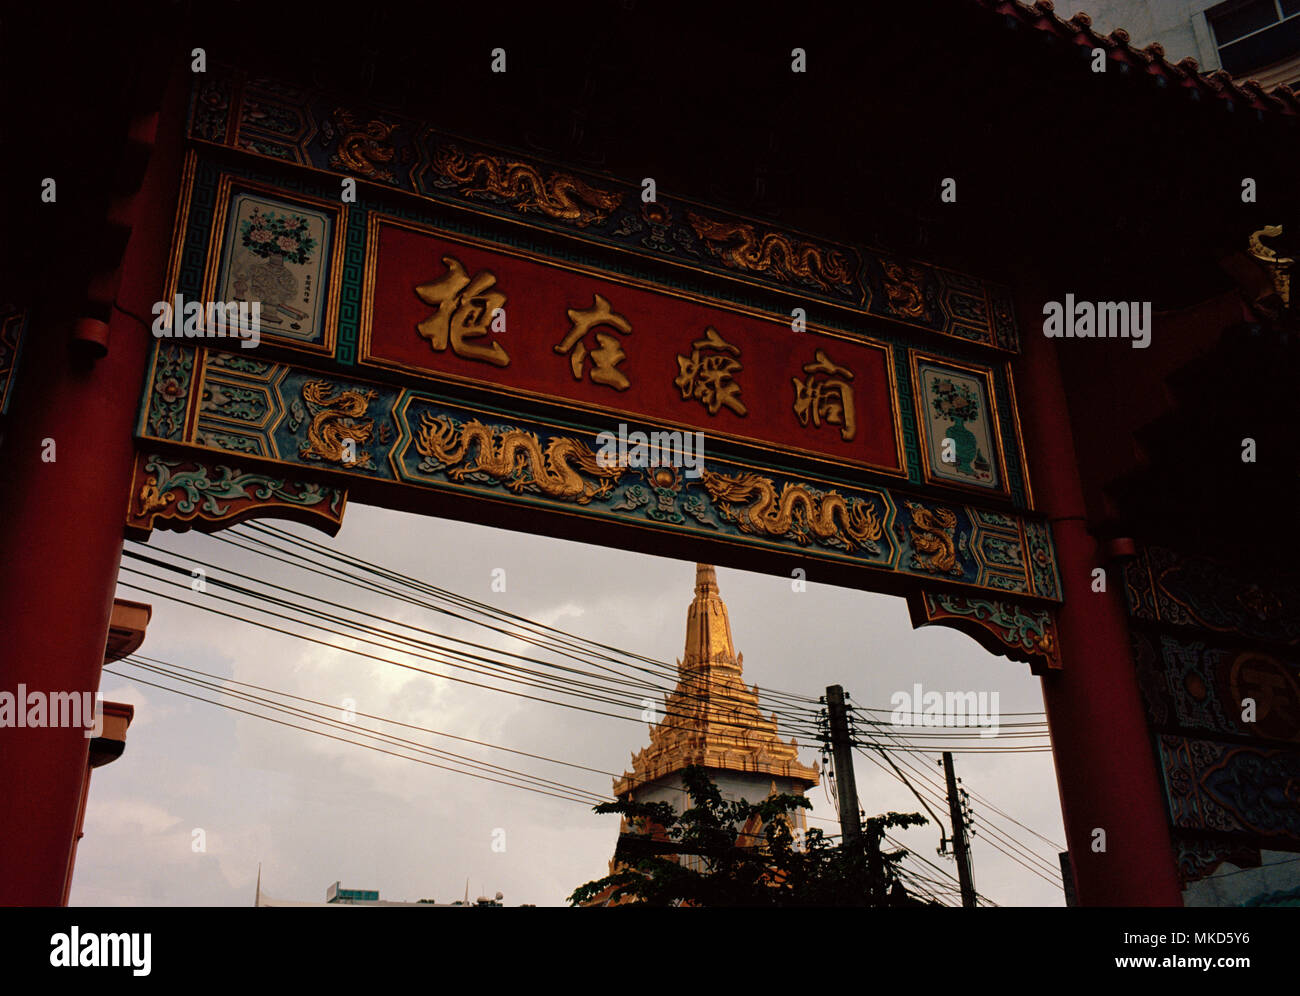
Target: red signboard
(444, 307)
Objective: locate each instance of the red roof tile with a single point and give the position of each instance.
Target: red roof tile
(1184, 75)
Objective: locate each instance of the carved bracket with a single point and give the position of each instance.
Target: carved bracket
(183, 493)
(1000, 626)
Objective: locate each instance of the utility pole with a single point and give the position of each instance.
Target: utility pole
(846, 787)
(960, 843)
(846, 790)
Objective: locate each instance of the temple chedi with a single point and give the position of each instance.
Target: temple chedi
(712, 719)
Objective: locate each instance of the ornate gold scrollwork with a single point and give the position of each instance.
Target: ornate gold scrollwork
(151, 499)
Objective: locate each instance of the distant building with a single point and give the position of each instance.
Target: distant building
(1248, 39)
(337, 896)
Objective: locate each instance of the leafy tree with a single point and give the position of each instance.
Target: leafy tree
(773, 872)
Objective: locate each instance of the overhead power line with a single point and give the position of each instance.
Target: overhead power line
(355, 743)
(626, 692)
(1015, 850)
(440, 655)
(138, 657)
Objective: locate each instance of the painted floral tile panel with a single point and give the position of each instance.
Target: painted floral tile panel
(277, 252)
(961, 442)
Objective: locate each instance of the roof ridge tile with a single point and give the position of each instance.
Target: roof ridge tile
(1186, 72)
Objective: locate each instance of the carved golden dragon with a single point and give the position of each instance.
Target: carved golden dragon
(561, 196)
(363, 149)
(903, 289)
(516, 458)
(741, 247)
(335, 420)
(796, 511)
(932, 538)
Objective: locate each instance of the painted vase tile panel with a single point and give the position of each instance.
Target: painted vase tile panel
(961, 441)
(276, 252)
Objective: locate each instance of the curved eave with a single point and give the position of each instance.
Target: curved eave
(1076, 34)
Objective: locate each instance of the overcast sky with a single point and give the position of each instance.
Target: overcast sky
(312, 811)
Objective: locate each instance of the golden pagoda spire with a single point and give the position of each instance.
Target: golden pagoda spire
(708, 629)
(706, 580)
(712, 716)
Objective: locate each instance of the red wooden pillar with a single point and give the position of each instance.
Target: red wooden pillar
(61, 533)
(1106, 772)
(76, 837)
(61, 526)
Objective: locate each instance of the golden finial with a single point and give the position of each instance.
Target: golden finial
(1279, 267)
(706, 581)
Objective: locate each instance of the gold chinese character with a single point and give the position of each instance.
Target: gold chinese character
(610, 353)
(829, 399)
(708, 378)
(466, 307)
